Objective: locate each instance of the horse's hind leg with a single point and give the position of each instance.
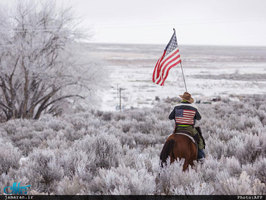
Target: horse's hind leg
(185, 166)
(187, 163)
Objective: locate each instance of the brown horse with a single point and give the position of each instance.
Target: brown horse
(179, 146)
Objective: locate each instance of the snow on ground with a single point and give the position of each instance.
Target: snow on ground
(131, 66)
(103, 153)
(95, 152)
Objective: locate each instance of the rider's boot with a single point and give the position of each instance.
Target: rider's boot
(201, 155)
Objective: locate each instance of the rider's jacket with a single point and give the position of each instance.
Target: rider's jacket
(185, 113)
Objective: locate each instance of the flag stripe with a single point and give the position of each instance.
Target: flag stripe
(177, 61)
(170, 55)
(164, 66)
(155, 69)
(168, 72)
(184, 120)
(158, 67)
(186, 123)
(188, 117)
(167, 67)
(164, 60)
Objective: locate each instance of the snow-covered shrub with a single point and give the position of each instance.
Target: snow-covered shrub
(71, 135)
(232, 165)
(85, 121)
(127, 139)
(173, 181)
(233, 144)
(120, 116)
(76, 163)
(250, 150)
(107, 116)
(144, 139)
(126, 126)
(138, 159)
(43, 170)
(10, 127)
(79, 121)
(57, 124)
(103, 150)
(56, 143)
(210, 168)
(243, 185)
(216, 147)
(9, 156)
(71, 186)
(257, 169)
(142, 126)
(80, 153)
(260, 169)
(163, 128)
(123, 180)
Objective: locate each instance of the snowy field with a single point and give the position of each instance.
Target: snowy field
(210, 72)
(97, 152)
(103, 151)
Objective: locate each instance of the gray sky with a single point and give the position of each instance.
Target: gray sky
(208, 22)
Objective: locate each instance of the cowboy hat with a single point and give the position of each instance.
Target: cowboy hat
(186, 96)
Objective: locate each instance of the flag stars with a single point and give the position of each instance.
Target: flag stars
(171, 45)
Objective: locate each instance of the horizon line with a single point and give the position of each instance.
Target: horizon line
(131, 43)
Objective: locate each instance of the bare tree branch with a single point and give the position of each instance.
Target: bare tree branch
(36, 73)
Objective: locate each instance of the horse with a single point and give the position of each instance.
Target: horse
(179, 146)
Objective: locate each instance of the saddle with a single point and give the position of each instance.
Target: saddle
(186, 133)
(195, 139)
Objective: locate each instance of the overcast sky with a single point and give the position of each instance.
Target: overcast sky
(208, 22)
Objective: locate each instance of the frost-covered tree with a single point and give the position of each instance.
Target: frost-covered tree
(37, 74)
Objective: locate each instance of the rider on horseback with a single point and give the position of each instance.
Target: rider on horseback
(185, 115)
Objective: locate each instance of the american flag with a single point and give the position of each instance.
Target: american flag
(169, 59)
(183, 116)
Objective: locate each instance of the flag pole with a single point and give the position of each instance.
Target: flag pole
(182, 72)
(183, 76)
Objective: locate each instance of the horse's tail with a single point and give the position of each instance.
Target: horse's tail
(167, 151)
